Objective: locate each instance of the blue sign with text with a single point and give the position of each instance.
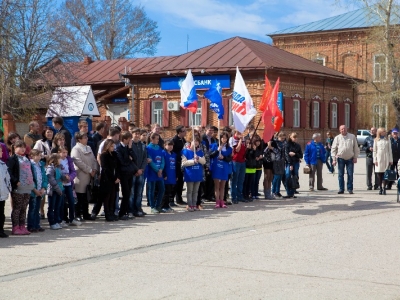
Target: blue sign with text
(280, 101)
(200, 82)
(120, 100)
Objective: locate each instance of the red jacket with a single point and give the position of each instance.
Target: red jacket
(240, 156)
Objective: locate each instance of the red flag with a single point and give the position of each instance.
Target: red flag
(266, 95)
(272, 116)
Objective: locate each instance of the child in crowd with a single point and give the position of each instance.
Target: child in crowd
(155, 173)
(143, 136)
(220, 167)
(22, 185)
(39, 190)
(169, 174)
(5, 189)
(259, 165)
(250, 175)
(54, 190)
(68, 170)
(109, 179)
(192, 163)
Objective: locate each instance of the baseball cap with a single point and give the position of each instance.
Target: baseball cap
(395, 130)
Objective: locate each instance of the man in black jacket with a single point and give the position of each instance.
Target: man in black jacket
(135, 200)
(396, 154)
(128, 161)
(368, 147)
(208, 185)
(58, 124)
(98, 136)
(179, 143)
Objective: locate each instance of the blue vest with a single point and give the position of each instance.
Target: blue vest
(220, 169)
(156, 156)
(193, 173)
(170, 167)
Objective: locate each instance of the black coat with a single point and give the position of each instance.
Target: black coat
(13, 170)
(110, 170)
(205, 141)
(251, 162)
(127, 160)
(395, 149)
(68, 138)
(178, 147)
(293, 147)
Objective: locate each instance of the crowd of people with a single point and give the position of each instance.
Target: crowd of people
(69, 169)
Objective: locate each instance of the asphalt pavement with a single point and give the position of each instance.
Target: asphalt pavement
(320, 245)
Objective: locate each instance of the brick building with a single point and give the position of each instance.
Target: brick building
(342, 43)
(315, 98)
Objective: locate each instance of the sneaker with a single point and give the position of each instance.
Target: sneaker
(154, 211)
(64, 224)
(139, 214)
(311, 189)
(164, 210)
(172, 204)
(103, 214)
(124, 218)
(190, 208)
(279, 195)
(3, 234)
(131, 216)
(41, 229)
(54, 227)
(75, 222)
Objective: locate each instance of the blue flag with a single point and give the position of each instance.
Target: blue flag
(214, 94)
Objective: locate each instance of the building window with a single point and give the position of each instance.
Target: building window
(230, 113)
(315, 114)
(296, 113)
(333, 115)
(347, 115)
(196, 117)
(380, 69)
(320, 61)
(157, 115)
(379, 117)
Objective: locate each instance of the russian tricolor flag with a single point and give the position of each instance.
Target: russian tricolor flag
(188, 93)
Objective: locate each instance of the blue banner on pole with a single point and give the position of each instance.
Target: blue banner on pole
(200, 82)
(280, 101)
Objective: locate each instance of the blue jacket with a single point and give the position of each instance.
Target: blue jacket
(155, 153)
(310, 154)
(169, 171)
(44, 177)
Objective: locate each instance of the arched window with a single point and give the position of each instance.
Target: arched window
(334, 109)
(347, 115)
(315, 111)
(296, 113)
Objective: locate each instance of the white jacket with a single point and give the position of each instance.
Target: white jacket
(5, 185)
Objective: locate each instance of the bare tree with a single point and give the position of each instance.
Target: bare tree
(105, 29)
(27, 67)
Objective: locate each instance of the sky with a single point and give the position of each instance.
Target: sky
(211, 21)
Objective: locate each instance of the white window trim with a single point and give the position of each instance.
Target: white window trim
(296, 112)
(334, 117)
(316, 116)
(386, 63)
(320, 58)
(153, 110)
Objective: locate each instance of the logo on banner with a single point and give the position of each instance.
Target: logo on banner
(238, 103)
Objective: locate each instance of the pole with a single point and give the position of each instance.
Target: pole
(194, 147)
(255, 131)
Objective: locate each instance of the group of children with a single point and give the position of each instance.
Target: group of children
(126, 160)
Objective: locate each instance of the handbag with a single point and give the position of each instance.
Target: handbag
(278, 167)
(295, 182)
(306, 170)
(390, 175)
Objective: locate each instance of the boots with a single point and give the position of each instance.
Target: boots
(222, 204)
(384, 191)
(265, 194)
(109, 217)
(16, 230)
(269, 195)
(381, 191)
(23, 230)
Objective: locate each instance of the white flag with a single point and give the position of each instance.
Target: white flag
(242, 105)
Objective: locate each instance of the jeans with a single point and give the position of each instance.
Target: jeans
(135, 200)
(290, 192)
(248, 185)
(53, 209)
(33, 212)
(256, 182)
(69, 199)
(155, 202)
(350, 170)
(276, 184)
(238, 180)
(328, 161)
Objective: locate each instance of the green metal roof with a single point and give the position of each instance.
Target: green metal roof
(360, 18)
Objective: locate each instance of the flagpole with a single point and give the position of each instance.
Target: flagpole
(255, 131)
(194, 147)
(219, 140)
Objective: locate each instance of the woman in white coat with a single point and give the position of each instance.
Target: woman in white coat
(382, 156)
(86, 167)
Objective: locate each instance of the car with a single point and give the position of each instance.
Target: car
(362, 134)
